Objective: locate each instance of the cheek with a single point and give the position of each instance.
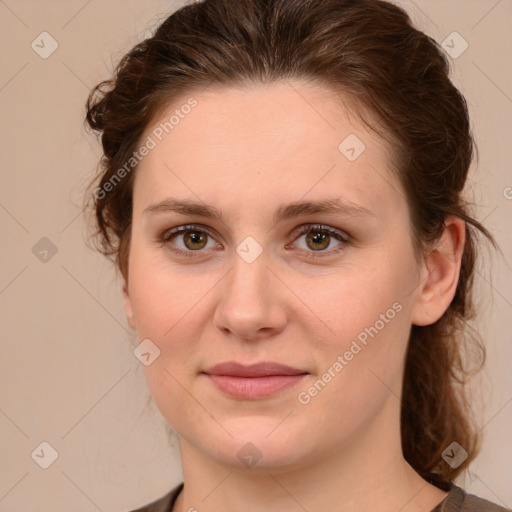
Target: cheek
(359, 371)
(360, 299)
(169, 389)
(369, 317)
(168, 306)
(163, 298)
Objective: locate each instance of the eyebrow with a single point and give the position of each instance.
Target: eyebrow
(286, 211)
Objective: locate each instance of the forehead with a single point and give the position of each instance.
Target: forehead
(279, 141)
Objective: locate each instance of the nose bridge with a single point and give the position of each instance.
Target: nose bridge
(249, 304)
(249, 277)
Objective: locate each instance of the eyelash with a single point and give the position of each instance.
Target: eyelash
(168, 235)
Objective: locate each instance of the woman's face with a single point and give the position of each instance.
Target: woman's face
(335, 305)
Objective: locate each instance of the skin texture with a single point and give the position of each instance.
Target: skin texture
(246, 153)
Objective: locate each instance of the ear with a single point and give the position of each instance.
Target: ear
(128, 306)
(440, 273)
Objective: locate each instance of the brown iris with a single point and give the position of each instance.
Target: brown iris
(196, 239)
(317, 237)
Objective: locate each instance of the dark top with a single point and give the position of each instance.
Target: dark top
(457, 500)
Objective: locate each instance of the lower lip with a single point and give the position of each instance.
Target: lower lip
(251, 388)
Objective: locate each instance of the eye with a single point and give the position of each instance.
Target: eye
(319, 237)
(192, 238)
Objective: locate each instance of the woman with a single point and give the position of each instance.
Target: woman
(281, 190)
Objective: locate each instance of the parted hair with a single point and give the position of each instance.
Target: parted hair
(369, 51)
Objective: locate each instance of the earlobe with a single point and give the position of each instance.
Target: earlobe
(440, 273)
(128, 307)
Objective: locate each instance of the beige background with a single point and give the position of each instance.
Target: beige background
(68, 375)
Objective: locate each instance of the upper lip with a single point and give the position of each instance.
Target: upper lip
(263, 369)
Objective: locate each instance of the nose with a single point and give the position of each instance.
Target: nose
(252, 301)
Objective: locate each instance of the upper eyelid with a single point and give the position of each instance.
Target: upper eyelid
(178, 230)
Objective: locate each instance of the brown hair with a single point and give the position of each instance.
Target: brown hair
(369, 50)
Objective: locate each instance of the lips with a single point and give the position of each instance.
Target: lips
(255, 370)
(255, 381)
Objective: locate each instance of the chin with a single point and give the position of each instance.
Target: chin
(254, 451)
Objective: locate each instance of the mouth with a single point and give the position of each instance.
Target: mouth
(255, 381)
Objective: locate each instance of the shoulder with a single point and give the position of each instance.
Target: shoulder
(163, 504)
(458, 500)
